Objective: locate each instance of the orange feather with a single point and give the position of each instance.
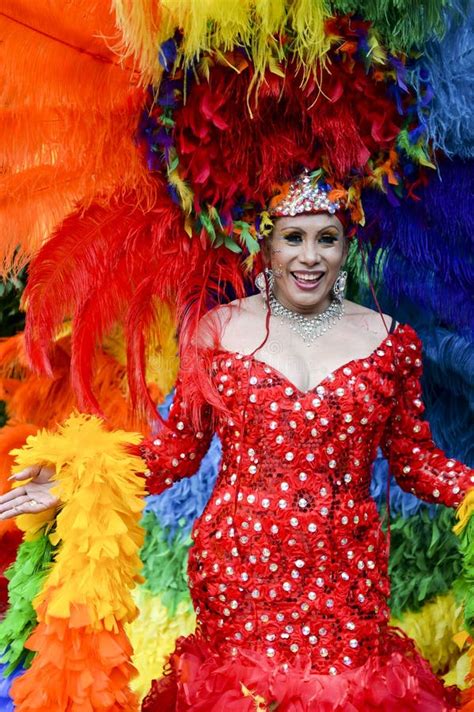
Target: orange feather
(77, 668)
(69, 112)
(11, 436)
(33, 398)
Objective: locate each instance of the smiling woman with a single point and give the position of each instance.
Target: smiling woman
(302, 298)
(289, 568)
(163, 158)
(285, 554)
(306, 255)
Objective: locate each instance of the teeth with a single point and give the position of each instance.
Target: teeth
(307, 277)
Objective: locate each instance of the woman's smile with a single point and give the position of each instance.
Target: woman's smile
(308, 281)
(306, 253)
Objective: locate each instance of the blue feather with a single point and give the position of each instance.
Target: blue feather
(167, 54)
(6, 702)
(178, 507)
(448, 392)
(401, 503)
(426, 246)
(447, 66)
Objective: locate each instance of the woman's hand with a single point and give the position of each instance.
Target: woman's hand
(32, 498)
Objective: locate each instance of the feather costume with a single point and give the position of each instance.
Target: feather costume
(142, 144)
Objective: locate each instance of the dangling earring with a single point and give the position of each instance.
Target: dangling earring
(339, 286)
(264, 278)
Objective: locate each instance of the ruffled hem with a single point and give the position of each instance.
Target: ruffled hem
(201, 680)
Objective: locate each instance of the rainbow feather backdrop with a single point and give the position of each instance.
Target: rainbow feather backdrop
(139, 146)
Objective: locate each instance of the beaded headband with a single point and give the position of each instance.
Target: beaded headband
(306, 194)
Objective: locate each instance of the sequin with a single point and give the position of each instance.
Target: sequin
(302, 543)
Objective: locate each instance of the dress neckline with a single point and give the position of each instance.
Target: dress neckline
(330, 376)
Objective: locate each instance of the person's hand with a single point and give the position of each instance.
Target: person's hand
(32, 498)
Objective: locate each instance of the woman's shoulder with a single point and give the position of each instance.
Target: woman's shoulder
(382, 324)
(370, 320)
(235, 316)
(239, 307)
(237, 310)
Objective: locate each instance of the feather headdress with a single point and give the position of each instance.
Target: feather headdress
(140, 144)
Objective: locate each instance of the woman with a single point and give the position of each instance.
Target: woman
(288, 572)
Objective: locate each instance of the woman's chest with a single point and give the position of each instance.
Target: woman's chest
(263, 410)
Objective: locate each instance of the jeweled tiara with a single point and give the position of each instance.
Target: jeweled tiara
(305, 195)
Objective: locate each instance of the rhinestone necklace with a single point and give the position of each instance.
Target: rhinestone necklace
(309, 328)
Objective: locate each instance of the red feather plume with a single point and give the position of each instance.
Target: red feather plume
(112, 265)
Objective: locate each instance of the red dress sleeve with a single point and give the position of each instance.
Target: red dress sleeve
(417, 464)
(178, 449)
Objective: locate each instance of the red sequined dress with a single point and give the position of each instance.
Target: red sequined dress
(288, 572)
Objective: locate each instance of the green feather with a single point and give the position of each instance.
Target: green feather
(165, 563)
(358, 287)
(26, 577)
(416, 151)
(424, 559)
(403, 24)
(464, 586)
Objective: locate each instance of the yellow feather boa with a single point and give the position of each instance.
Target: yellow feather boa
(82, 652)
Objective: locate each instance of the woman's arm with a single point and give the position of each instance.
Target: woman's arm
(173, 454)
(418, 465)
(177, 450)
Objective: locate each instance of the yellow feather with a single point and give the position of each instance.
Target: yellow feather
(142, 27)
(183, 190)
(153, 634)
(162, 349)
(377, 52)
(260, 703)
(211, 25)
(162, 357)
(434, 628)
(464, 512)
(457, 674)
(97, 528)
(306, 17)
